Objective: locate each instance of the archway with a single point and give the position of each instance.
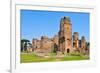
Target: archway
(68, 50)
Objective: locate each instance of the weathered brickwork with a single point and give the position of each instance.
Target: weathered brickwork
(64, 42)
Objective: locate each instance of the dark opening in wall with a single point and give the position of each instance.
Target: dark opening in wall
(68, 50)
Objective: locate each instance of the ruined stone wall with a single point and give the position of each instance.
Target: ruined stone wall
(46, 44)
(36, 44)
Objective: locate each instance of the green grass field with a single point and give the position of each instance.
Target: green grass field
(29, 58)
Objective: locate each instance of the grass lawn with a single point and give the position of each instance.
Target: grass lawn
(28, 58)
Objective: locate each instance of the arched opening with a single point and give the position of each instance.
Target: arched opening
(68, 50)
(73, 44)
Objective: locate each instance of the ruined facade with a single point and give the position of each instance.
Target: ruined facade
(83, 44)
(43, 45)
(46, 44)
(65, 35)
(76, 41)
(64, 42)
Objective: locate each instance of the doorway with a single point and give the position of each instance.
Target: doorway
(68, 51)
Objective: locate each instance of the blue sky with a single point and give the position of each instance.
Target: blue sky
(35, 23)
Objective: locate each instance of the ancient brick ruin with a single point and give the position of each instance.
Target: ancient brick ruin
(64, 42)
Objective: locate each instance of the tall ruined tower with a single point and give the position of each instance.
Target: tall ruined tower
(65, 35)
(83, 44)
(75, 40)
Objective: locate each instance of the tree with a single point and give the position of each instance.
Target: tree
(24, 43)
(55, 48)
